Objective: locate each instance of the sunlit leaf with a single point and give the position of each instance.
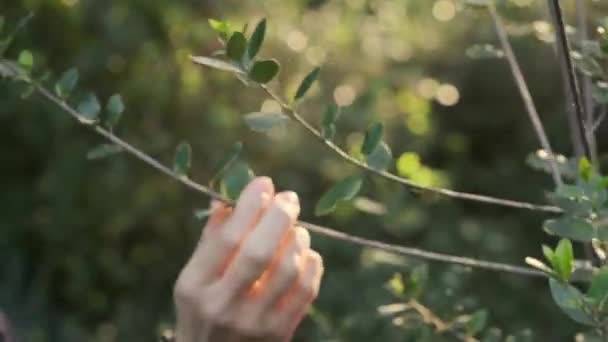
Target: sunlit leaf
(264, 71)
(263, 122)
(114, 110)
(381, 158)
(307, 83)
(585, 169)
(183, 159)
(344, 190)
(66, 83)
(235, 49)
(570, 227)
(396, 286)
(89, 108)
(569, 299)
(221, 27)
(257, 39)
(103, 151)
(217, 64)
(373, 137)
(26, 59)
(564, 259)
(235, 179)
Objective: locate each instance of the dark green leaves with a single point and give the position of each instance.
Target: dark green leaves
(381, 157)
(264, 71)
(183, 159)
(477, 322)
(598, 291)
(570, 227)
(570, 300)
(257, 38)
(89, 109)
(66, 84)
(263, 122)
(373, 137)
(235, 179)
(307, 83)
(235, 49)
(217, 64)
(114, 110)
(328, 123)
(344, 190)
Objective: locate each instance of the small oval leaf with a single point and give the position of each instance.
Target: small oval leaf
(217, 64)
(373, 137)
(257, 39)
(381, 158)
(26, 59)
(344, 190)
(235, 49)
(264, 121)
(307, 83)
(570, 227)
(183, 159)
(89, 108)
(66, 84)
(569, 299)
(235, 179)
(264, 71)
(114, 109)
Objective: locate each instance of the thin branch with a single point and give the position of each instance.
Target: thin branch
(522, 86)
(390, 176)
(563, 53)
(599, 119)
(441, 327)
(328, 232)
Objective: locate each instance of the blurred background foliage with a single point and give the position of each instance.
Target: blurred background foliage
(89, 250)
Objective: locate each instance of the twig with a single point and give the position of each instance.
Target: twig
(563, 53)
(522, 86)
(328, 232)
(599, 120)
(441, 327)
(390, 176)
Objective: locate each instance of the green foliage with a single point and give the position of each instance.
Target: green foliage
(66, 83)
(235, 179)
(328, 123)
(235, 49)
(183, 159)
(381, 157)
(217, 64)
(307, 83)
(477, 322)
(103, 151)
(570, 227)
(344, 190)
(570, 300)
(264, 122)
(114, 110)
(598, 290)
(257, 39)
(585, 169)
(264, 71)
(561, 259)
(227, 161)
(89, 108)
(221, 27)
(26, 60)
(373, 137)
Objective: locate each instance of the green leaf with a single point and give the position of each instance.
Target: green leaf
(587, 65)
(417, 281)
(235, 49)
(328, 132)
(570, 227)
(183, 159)
(599, 285)
(396, 286)
(114, 108)
(66, 84)
(257, 39)
(572, 199)
(201, 214)
(373, 137)
(217, 64)
(221, 27)
(344, 190)
(235, 179)
(226, 162)
(569, 299)
(549, 254)
(263, 122)
(477, 322)
(381, 158)
(585, 169)
(264, 71)
(564, 259)
(103, 151)
(26, 60)
(89, 109)
(307, 83)
(331, 114)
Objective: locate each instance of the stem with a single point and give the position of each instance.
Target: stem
(328, 232)
(522, 86)
(441, 327)
(563, 53)
(403, 181)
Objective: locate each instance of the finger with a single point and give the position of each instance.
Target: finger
(304, 291)
(219, 244)
(219, 212)
(256, 252)
(290, 265)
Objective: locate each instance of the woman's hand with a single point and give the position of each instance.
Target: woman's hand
(252, 275)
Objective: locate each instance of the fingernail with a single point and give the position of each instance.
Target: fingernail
(290, 196)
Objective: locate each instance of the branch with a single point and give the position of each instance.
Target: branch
(522, 86)
(328, 232)
(563, 53)
(403, 181)
(441, 327)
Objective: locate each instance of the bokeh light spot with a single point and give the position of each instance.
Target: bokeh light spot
(444, 10)
(447, 95)
(344, 95)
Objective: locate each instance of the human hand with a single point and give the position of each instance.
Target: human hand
(252, 276)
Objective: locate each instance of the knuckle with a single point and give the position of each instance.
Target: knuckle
(289, 267)
(257, 258)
